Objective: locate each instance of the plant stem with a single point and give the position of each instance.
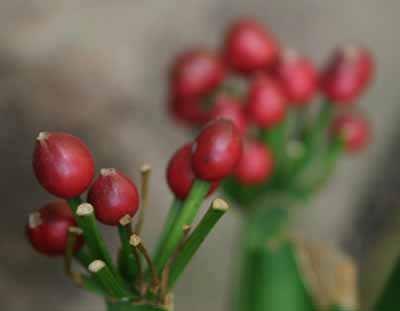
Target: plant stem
(97, 247)
(172, 215)
(145, 171)
(83, 258)
(319, 126)
(129, 268)
(128, 306)
(186, 216)
(217, 209)
(107, 279)
(339, 308)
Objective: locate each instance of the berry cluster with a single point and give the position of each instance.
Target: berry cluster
(67, 227)
(267, 92)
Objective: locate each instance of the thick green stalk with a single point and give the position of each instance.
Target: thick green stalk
(271, 279)
(389, 298)
(318, 128)
(193, 243)
(186, 216)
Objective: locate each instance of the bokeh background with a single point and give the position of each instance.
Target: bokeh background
(97, 69)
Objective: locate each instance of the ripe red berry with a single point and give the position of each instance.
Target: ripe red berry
(229, 108)
(255, 165)
(47, 229)
(63, 164)
(347, 74)
(249, 47)
(188, 110)
(180, 175)
(113, 195)
(353, 129)
(196, 73)
(217, 150)
(298, 78)
(266, 102)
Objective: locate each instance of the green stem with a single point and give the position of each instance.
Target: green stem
(318, 128)
(275, 139)
(339, 308)
(128, 306)
(186, 216)
(172, 215)
(108, 280)
(128, 266)
(83, 258)
(193, 243)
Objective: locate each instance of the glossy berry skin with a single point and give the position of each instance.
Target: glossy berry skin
(347, 75)
(353, 129)
(266, 102)
(229, 108)
(113, 196)
(196, 73)
(188, 110)
(256, 164)
(63, 164)
(217, 150)
(180, 175)
(249, 47)
(298, 78)
(47, 229)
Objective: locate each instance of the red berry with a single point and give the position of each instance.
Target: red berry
(188, 110)
(180, 175)
(249, 47)
(353, 129)
(298, 78)
(113, 195)
(231, 109)
(347, 75)
(266, 102)
(217, 150)
(196, 73)
(255, 165)
(48, 228)
(63, 164)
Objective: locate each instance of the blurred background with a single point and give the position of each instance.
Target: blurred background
(97, 69)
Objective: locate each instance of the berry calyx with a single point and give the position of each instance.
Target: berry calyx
(249, 47)
(63, 164)
(180, 175)
(48, 227)
(113, 196)
(217, 150)
(353, 130)
(347, 74)
(256, 163)
(298, 78)
(266, 102)
(229, 108)
(196, 73)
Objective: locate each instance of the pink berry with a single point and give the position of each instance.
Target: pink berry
(298, 78)
(217, 150)
(256, 164)
(266, 102)
(180, 175)
(63, 164)
(196, 73)
(353, 129)
(48, 227)
(113, 196)
(229, 108)
(249, 47)
(347, 75)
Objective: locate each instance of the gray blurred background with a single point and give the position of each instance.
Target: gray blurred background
(97, 69)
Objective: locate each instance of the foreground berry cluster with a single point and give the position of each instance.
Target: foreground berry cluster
(269, 93)
(67, 227)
